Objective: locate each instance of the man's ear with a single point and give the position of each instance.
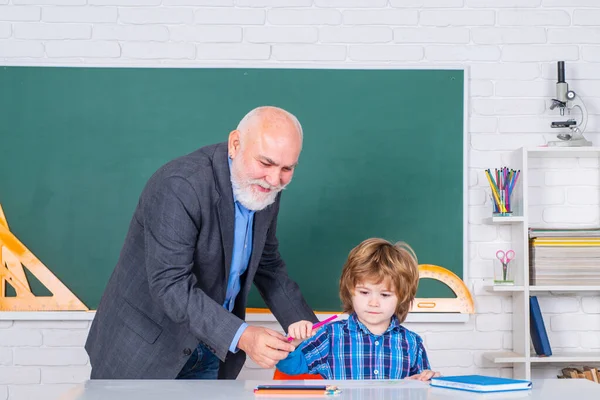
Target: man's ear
(233, 144)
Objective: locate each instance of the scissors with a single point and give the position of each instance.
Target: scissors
(505, 258)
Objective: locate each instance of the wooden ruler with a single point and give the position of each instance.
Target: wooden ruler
(463, 303)
(13, 257)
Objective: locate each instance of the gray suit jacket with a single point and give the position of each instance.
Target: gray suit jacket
(166, 292)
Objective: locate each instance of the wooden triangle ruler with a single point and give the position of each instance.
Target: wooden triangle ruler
(13, 257)
(462, 303)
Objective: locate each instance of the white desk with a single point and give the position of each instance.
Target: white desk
(556, 389)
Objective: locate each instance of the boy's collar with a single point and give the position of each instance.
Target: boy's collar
(354, 324)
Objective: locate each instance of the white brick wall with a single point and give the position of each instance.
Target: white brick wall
(5, 30)
(311, 16)
(52, 31)
(300, 52)
(281, 35)
(18, 13)
(381, 17)
(157, 15)
(227, 16)
(533, 18)
(510, 46)
(41, 359)
(79, 14)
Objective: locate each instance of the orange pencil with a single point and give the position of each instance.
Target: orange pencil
(304, 390)
(295, 392)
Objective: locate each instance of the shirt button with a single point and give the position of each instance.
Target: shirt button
(375, 372)
(377, 343)
(187, 352)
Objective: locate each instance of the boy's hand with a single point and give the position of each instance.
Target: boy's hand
(424, 375)
(300, 331)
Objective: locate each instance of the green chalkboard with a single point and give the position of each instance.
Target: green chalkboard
(383, 156)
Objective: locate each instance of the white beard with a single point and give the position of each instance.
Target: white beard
(253, 200)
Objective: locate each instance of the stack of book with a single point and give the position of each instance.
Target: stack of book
(564, 257)
(591, 374)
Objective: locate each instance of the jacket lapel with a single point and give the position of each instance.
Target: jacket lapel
(224, 205)
(262, 221)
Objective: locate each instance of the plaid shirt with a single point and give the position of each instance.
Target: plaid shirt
(348, 350)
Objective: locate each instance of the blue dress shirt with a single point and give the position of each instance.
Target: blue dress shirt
(242, 250)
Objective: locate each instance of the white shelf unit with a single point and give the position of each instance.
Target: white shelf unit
(508, 357)
(504, 220)
(522, 356)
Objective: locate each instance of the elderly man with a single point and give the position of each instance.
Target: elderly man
(204, 229)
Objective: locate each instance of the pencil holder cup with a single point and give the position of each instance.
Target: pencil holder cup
(502, 181)
(503, 273)
(501, 214)
(500, 208)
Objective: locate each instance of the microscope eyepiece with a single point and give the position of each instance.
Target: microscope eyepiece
(561, 71)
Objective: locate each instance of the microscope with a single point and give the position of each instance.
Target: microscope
(568, 100)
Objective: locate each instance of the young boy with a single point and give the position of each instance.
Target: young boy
(378, 284)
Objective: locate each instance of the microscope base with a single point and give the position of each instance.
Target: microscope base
(570, 143)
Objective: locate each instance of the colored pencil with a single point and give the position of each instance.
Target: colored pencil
(304, 390)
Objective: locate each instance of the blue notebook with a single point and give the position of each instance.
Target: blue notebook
(537, 329)
(480, 383)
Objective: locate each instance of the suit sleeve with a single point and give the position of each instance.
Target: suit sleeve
(281, 294)
(171, 218)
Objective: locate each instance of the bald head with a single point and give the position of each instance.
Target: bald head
(268, 118)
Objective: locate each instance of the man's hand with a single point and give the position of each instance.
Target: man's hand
(264, 346)
(300, 331)
(425, 375)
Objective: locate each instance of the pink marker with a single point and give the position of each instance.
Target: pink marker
(317, 325)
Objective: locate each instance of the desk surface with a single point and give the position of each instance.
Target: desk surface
(558, 389)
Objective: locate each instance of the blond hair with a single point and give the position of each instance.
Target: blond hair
(377, 260)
